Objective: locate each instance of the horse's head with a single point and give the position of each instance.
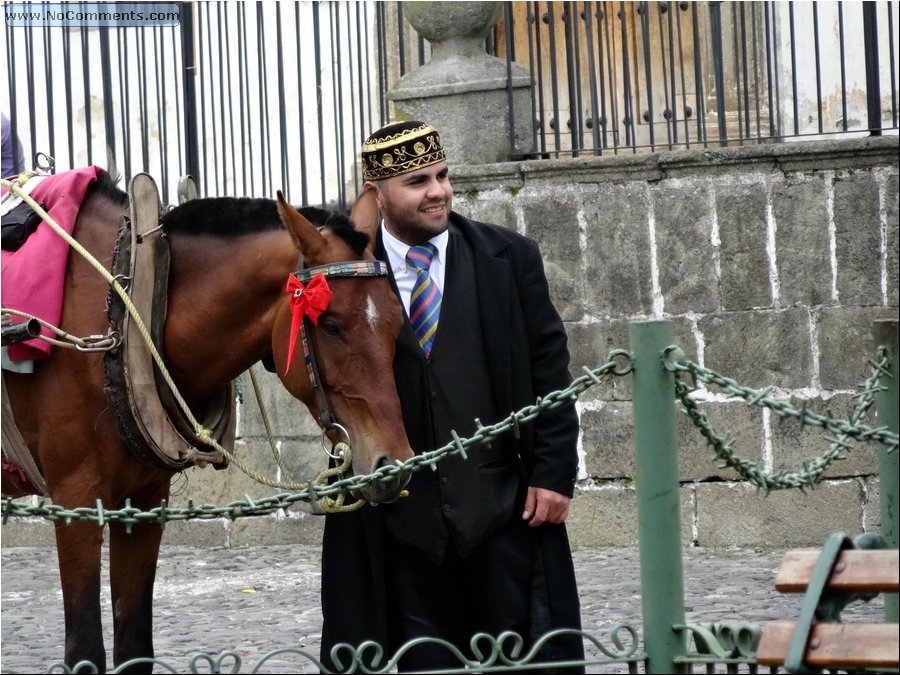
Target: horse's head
(352, 334)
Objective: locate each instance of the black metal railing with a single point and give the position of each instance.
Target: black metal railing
(254, 97)
(613, 77)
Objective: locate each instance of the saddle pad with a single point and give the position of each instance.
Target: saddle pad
(33, 276)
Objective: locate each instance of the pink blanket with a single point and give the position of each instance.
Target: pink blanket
(33, 276)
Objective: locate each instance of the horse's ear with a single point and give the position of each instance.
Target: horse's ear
(308, 239)
(366, 215)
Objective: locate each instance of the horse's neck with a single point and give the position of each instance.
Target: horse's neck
(223, 296)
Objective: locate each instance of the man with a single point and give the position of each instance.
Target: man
(13, 157)
(479, 545)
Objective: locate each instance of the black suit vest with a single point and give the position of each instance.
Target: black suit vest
(463, 500)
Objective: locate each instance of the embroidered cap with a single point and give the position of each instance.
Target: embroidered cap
(400, 148)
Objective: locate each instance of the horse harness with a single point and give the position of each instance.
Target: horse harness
(149, 417)
(348, 269)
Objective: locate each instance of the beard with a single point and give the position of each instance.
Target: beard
(412, 225)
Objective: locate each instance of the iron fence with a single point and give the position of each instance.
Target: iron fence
(612, 77)
(254, 97)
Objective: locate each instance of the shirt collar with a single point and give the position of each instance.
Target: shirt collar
(397, 250)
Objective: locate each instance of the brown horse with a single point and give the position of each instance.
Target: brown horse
(227, 309)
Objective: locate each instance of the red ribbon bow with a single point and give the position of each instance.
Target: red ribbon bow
(310, 301)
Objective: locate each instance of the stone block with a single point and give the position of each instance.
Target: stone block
(299, 528)
(604, 516)
(687, 274)
(28, 532)
(793, 444)
(683, 335)
(872, 504)
(892, 238)
(608, 440)
(464, 202)
(589, 346)
(197, 533)
(743, 261)
(737, 514)
(760, 349)
(697, 459)
(801, 242)
(857, 228)
(210, 487)
(551, 219)
(846, 344)
(492, 206)
(288, 417)
(617, 260)
(303, 459)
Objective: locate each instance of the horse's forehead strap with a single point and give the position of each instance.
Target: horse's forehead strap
(353, 268)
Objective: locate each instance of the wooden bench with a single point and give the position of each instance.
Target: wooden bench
(831, 578)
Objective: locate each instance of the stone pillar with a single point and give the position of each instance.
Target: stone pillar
(462, 91)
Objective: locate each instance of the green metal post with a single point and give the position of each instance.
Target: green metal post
(659, 521)
(885, 333)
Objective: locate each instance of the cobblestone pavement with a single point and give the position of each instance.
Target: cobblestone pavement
(256, 600)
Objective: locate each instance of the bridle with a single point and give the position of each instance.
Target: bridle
(338, 270)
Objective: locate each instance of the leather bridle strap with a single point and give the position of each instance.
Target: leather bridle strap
(349, 269)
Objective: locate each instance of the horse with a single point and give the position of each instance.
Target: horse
(227, 309)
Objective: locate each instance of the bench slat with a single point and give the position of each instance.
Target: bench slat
(863, 571)
(839, 645)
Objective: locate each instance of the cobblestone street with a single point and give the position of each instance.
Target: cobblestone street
(259, 599)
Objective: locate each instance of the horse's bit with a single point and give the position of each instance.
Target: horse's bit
(353, 268)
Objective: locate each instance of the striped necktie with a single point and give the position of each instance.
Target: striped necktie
(425, 301)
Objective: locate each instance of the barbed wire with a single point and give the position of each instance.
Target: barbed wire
(813, 469)
(619, 363)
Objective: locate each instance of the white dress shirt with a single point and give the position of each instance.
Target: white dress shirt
(404, 273)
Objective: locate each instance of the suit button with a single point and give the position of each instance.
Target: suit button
(443, 480)
(446, 508)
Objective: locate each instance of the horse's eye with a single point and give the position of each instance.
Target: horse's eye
(331, 327)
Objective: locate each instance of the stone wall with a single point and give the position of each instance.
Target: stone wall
(771, 261)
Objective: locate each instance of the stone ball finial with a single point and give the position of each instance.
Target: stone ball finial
(449, 22)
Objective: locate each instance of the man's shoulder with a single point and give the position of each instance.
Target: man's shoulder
(490, 237)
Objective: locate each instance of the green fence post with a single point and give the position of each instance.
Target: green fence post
(656, 480)
(885, 333)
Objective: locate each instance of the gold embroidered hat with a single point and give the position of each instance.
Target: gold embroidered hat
(400, 148)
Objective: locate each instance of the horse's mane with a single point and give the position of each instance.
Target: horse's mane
(234, 216)
(105, 186)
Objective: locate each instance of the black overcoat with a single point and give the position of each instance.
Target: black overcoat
(526, 348)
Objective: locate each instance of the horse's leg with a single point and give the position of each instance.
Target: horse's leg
(78, 546)
(132, 571)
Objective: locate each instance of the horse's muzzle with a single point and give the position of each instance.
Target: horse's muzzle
(386, 489)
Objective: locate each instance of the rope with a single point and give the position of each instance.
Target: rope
(92, 343)
(265, 419)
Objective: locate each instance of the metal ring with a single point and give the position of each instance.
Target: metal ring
(334, 425)
(673, 358)
(44, 162)
(621, 368)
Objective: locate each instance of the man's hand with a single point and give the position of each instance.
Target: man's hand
(545, 506)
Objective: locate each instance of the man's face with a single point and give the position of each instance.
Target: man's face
(416, 205)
